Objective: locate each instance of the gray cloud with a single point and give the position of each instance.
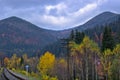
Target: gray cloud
(26, 3)
(56, 14)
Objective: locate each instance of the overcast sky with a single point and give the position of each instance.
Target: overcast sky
(57, 14)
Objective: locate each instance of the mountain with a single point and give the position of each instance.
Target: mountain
(101, 19)
(18, 35)
(93, 28)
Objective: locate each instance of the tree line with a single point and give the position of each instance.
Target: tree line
(84, 60)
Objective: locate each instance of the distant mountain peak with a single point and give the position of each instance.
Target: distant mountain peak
(13, 18)
(106, 14)
(101, 19)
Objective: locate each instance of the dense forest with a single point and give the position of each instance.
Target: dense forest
(85, 58)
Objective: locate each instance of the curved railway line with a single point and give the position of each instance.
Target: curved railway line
(9, 75)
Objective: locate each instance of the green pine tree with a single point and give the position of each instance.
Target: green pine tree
(76, 36)
(107, 41)
(79, 37)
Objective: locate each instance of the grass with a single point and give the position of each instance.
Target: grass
(29, 76)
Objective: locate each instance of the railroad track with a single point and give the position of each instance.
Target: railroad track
(9, 75)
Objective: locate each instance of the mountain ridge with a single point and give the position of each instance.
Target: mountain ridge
(100, 19)
(19, 35)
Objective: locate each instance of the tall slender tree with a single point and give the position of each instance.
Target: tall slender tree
(72, 35)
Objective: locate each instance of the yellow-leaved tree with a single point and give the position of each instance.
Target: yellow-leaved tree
(14, 62)
(46, 63)
(84, 55)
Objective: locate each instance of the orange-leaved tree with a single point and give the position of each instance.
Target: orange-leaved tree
(6, 62)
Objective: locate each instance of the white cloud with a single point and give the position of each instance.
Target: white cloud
(55, 20)
(68, 20)
(59, 7)
(88, 8)
(85, 9)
